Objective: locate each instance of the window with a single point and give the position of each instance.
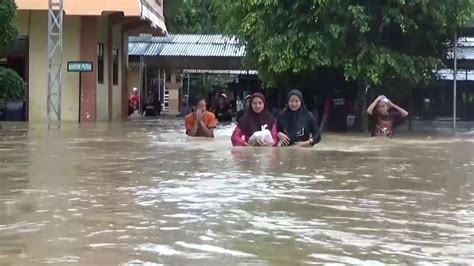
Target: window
(115, 68)
(100, 63)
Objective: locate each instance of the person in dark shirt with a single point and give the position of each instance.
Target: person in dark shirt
(386, 115)
(336, 109)
(295, 124)
(152, 106)
(184, 108)
(222, 111)
(245, 107)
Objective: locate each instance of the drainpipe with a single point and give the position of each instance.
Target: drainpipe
(141, 84)
(187, 98)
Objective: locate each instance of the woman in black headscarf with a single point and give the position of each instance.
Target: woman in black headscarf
(252, 121)
(296, 125)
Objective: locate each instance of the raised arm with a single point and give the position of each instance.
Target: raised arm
(315, 133)
(208, 132)
(191, 130)
(402, 111)
(324, 119)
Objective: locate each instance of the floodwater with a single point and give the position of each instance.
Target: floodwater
(142, 193)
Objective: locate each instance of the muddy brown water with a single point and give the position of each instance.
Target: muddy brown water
(142, 193)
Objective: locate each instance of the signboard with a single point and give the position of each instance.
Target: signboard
(79, 66)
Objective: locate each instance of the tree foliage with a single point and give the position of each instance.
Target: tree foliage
(11, 84)
(190, 16)
(8, 30)
(366, 40)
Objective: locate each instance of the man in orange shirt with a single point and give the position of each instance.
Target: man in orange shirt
(200, 123)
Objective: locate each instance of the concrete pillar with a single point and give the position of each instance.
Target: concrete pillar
(88, 89)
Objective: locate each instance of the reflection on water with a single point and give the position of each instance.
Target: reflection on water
(143, 193)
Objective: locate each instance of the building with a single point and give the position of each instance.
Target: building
(435, 100)
(94, 31)
(164, 65)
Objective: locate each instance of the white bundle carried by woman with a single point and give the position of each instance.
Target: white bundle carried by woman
(263, 135)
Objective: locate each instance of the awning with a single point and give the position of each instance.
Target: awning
(220, 71)
(187, 45)
(462, 75)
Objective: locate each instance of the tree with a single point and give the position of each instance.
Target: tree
(190, 16)
(8, 30)
(367, 41)
(11, 84)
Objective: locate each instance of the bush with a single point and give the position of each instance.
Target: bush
(12, 86)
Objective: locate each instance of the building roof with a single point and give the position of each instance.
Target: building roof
(190, 45)
(466, 53)
(465, 49)
(224, 46)
(145, 9)
(462, 75)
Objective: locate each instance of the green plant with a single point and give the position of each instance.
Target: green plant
(8, 30)
(12, 86)
(190, 16)
(368, 41)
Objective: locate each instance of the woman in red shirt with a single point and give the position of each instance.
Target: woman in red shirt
(253, 120)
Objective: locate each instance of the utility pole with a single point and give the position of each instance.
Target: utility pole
(55, 59)
(455, 74)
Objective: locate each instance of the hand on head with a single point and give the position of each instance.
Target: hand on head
(384, 99)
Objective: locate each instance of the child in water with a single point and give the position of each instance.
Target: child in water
(386, 115)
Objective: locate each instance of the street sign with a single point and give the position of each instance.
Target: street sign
(79, 66)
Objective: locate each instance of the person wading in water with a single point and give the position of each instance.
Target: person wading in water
(296, 125)
(200, 123)
(255, 117)
(386, 115)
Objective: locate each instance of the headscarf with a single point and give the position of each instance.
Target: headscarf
(384, 100)
(251, 122)
(292, 121)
